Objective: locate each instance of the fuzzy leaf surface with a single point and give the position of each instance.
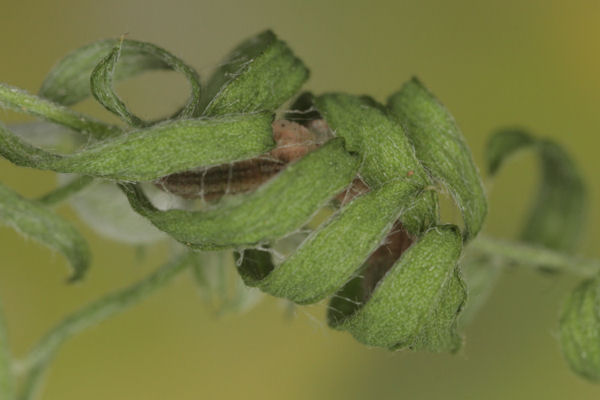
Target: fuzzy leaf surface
(441, 147)
(278, 207)
(103, 75)
(580, 329)
(150, 153)
(259, 74)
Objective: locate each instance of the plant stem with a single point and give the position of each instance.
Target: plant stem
(59, 194)
(6, 373)
(527, 255)
(39, 357)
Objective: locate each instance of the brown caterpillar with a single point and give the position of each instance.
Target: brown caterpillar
(293, 141)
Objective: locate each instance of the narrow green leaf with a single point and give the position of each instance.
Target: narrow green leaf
(259, 74)
(35, 221)
(332, 254)
(580, 329)
(417, 302)
(102, 77)
(440, 146)
(386, 153)
(16, 99)
(150, 153)
(69, 81)
(504, 144)
(275, 209)
(558, 214)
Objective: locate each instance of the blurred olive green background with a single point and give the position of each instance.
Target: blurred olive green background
(493, 63)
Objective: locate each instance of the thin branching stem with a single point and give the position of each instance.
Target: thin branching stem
(527, 255)
(64, 192)
(33, 365)
(6, 373)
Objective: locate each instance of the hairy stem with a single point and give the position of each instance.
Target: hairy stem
(527, 255)
(64, 192)
(6, 373)
(39, 357)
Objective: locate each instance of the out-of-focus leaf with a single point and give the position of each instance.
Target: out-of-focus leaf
(558, 214)
(103, 75)
(386, 154)
(103, 208)
(580, 329)
(69, 81)
(150, 153)
(33, 220)
(480, 275)
(440, 146)
(7, 379)
(65, 191)
(220, 286)
(259, 74)
(275, 209)
(417, 302)
(16, 99)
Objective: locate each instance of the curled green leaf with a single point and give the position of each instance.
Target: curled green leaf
(386, 153)
(580, 329)
(278, 207)
(440, 146)
(333, 253)
(33, 220)
(102, 78)
(417, 302)
(19, 100)
(150, 153)
(69, 81)
(259, 74)
(558, 214)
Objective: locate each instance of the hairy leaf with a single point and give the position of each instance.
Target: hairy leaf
(259, 74)
(153, 152)
(417, 302)
(333, 253)
(558, 214)
(69, 81)
(19, 100)
(102, 78)
(275, 209)
(440, 146)
(386, 154)
(33, 220)
(580, 329)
